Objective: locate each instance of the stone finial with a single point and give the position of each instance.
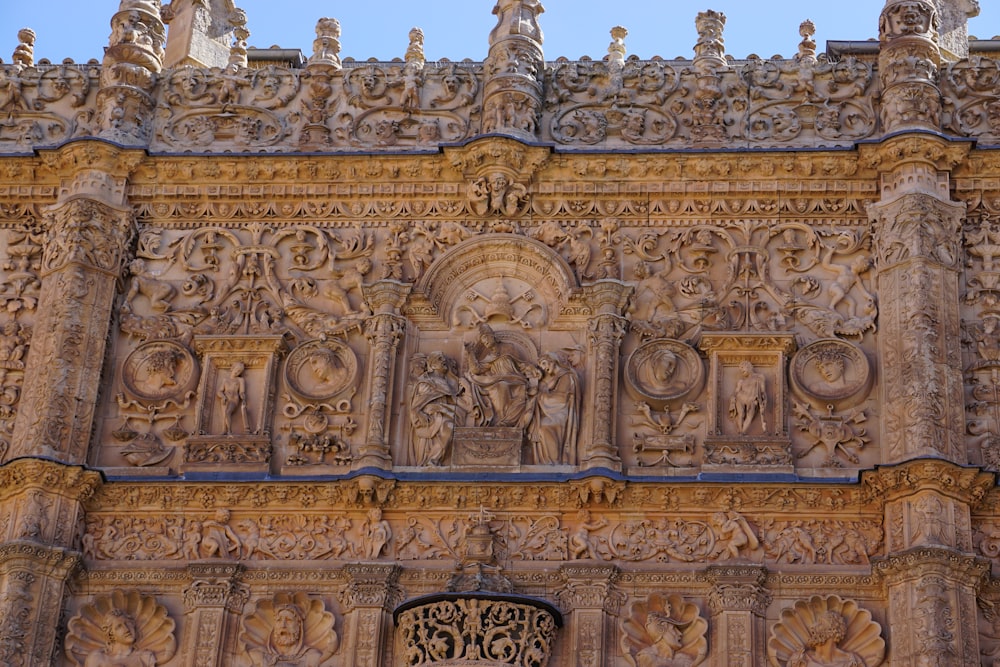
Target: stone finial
(711, 45)
(616, 49)
(807, 47)
(24, 53)
(955, 15)
(137, 36)
(326, 46)
(415, 51)
(201, 32)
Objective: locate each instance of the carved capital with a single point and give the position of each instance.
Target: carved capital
(216, 585)
(738, 588)
(371, 586)
(386, 297)
(90, 233)
(487, 155)
(921, 562)
(590, 587)
(927, 149)
(74, 482)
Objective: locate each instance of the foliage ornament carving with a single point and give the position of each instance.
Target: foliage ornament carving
(664, 631)
(826, 632)
(289, 629)
(490, 629)
(87, 232)
(121, 630)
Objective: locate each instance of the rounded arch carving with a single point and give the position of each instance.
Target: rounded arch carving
(500, 273)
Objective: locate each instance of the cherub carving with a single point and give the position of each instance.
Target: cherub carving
(289, 631)
(121, 630)
(826, 632)
(664, 631)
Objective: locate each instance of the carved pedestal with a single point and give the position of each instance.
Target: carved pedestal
(370, 595)
(748, 424)
(738, 602)
(213, 602)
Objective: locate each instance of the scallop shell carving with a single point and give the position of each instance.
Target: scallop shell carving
(639, 643)
(862, 637)
(317, 624)
(154, 629)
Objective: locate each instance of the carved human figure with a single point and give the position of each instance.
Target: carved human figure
(119, 647)
(434, 410)
(328, 370)
(822, 650)
(285, 645)
(749, 398)
(580, 545)
(732, 534)
(217, 539)
(556, 420)
(348, 280)
(376, 534)
(501, 389)
(13, 344)
(831, 366)
(233, 396)
(846, 279)
(666, 641)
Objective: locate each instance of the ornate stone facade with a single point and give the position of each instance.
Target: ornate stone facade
(596, 363)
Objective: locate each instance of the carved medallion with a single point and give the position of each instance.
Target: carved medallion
(321, 369)
(831, 370)
(826, 631)
(664, 370)
(121, 629)
(158, 370)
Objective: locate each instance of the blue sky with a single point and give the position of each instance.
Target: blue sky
(458, 29)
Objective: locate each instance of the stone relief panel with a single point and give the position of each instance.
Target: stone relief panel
(124, 629)
(826, 632)
(240, 348)
(664, 630)
(289, 629)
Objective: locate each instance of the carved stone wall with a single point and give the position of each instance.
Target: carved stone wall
(605, 363)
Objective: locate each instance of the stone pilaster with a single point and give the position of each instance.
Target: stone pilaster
(384, 330)
(213, 603)
(512, 97)
(42, 499)
(932, 606)
(607, 299)
(369, 598)
(90, 232)
(917, 245)
(589, 596)
(738, 602)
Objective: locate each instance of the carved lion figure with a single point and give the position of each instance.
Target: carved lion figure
(289, 629)
(664, 631)
(121, 630)
(826, 632)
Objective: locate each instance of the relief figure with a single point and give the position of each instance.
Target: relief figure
(119, 648)
(749, 398)
(557, 412)
(822, 650)
(434, 410)
(233, 396)
(500, 382)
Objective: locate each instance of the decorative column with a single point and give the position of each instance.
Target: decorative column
(930, 572)
(42, 500)
(213, 602)
(512, 95)
(607, 300)
(738, 602)
(370, 596)
(384, 329)
(589, 596)
(90, 231)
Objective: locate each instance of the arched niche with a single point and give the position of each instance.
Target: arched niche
(472, 280)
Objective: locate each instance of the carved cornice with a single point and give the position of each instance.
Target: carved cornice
(488, 154)
(74, 482)
(967, 485)
(916, 563)
(727, 342)
(92, 153)
(926, 148)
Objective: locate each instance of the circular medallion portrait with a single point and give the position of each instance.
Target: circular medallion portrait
(831, 370)
(321, 369)
(159, 370)
(664, 370)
